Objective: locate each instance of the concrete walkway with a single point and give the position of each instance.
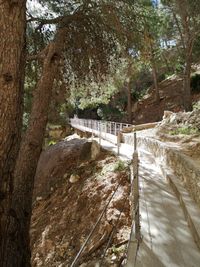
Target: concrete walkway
(167, 240)
(126, 151)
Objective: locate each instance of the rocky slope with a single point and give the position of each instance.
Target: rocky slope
(73, 185)
(179, 148)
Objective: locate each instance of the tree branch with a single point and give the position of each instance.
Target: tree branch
(40, 56)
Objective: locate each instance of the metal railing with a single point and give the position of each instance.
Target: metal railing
(110, 131)
(84, 246)
(97, 125)
(135, 235)
(107, 130)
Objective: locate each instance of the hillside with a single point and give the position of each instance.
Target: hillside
(147, 110)
(69, 198)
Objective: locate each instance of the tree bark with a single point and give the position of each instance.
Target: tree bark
(188, 35)
(12, 69)
(155, 80)
(129, 104)
(128, 89)
(17, 246)
(187, 102)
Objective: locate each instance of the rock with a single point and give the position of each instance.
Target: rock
(65, 175)
(95, 150)
(167, 114)
(71, 137)
(173, 118)
(74, 178)
(114, 257)
(61, 249)
(59, 131)
(58, 160)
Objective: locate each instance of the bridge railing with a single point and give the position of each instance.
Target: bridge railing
(106, 130)
(135, 235)
(104, 126)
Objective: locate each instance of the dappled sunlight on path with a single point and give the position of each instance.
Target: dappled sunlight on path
(167, 240)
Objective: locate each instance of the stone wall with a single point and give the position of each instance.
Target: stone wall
(183, 166)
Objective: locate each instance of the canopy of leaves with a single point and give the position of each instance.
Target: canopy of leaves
(96, 31)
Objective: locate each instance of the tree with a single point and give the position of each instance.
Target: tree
(186, 17)
(150, 39)
(83, 46)
(12, 62)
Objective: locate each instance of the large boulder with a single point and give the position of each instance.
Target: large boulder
(59, 161)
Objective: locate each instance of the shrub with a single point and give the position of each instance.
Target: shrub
(114, 167)
(185, 130)
(196, 106)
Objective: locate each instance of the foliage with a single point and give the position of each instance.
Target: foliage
(120, 166)
(137, 95)
(25, 120)
(117, 250)
(97, 32)
(196, 106)
(51, 143)
(92, 96)
(104, 39)
(184, 17)
(117, 166)
(109, 113)
(185, 130)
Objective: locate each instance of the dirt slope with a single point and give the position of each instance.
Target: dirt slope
(147, 110)
(62, 220)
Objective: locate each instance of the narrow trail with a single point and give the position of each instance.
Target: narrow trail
(167, 240)
(166, 237)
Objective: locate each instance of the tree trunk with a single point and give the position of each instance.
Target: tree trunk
(188, 36)
(155, 80)
(12, 69)
(187, 102)
(18, 247)
(129, 104)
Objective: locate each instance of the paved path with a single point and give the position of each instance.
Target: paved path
(167, 240)
(126, 151)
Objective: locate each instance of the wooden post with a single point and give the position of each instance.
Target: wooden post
(135, 236)
(118, 142)
(136, 200)
(135, 141)
(100, 133)
(92, 137)
(136, 190)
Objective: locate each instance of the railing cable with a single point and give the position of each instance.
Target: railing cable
(75, 261)
(113, 232)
